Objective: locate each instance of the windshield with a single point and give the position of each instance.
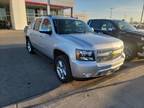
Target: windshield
(124, 26)
(70, 26)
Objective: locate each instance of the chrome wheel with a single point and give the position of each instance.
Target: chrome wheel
(130, 51)
(61, 69)
(29, 47)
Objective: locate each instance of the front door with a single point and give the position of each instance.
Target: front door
(47, 37)
(108, 28)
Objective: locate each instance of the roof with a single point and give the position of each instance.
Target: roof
(56, 17)
(107, 19)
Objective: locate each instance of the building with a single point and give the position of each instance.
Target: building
(20, 12)
(81, 16)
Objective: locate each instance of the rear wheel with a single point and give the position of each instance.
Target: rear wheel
(130, 50)
(29, 46)
(62, 68)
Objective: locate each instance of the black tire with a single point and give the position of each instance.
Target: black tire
(29, 46)
(63, 72)
(130, 51)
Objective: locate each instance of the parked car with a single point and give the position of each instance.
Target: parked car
(132, 38)
(76, 51)
(3, 24)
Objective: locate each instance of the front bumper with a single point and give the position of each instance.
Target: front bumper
(81, 69)
(141, 52)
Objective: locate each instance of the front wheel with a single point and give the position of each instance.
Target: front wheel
(130, 50)
(62, 68)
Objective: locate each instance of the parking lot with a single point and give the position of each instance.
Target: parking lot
(24, 76)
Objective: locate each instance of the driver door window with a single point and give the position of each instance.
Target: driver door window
(46, 26)
(104, 27)
(107, 26)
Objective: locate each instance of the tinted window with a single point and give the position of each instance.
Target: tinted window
(124, 26)
(102, 25)
(96, 24)
(107, 26)
(37, 24)
(69, 26)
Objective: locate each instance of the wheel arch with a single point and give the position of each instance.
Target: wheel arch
(58, 52)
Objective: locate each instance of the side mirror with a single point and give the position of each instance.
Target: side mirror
(92, 29)
(46, 32)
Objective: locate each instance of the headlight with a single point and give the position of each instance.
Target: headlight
(85, 55)
(142, 38)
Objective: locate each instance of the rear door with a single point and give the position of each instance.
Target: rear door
(35, 34)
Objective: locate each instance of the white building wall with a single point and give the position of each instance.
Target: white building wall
(42, 1)
(68, 3)
(18, 14)
(18, 10)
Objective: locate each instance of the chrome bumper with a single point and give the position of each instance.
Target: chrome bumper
(141, 54)
(81, 69)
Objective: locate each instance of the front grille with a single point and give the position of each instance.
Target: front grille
(108, 54)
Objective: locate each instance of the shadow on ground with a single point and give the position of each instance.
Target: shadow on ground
(23, 75)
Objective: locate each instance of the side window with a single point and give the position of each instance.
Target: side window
(104, 27)
(37, 24)
(31, 25)
(46, 25)
(107, 26)
(96, 25)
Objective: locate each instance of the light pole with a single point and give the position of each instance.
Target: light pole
(142, 13)
(111, 12)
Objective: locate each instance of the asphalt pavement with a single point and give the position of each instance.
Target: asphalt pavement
(22, 75)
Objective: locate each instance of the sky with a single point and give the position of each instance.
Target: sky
(122, 9)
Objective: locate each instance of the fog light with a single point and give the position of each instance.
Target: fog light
(87, 75)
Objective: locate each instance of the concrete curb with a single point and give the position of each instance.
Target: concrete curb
(58, 92)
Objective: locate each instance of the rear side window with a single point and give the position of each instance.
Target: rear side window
(37, 24)
(102, 25)
(31, 25)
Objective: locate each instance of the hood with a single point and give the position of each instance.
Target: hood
(90, 40)
(137, 34)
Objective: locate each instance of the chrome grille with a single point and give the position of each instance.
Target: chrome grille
(108, 54)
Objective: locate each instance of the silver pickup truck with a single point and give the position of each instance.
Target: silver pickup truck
(77, 52)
